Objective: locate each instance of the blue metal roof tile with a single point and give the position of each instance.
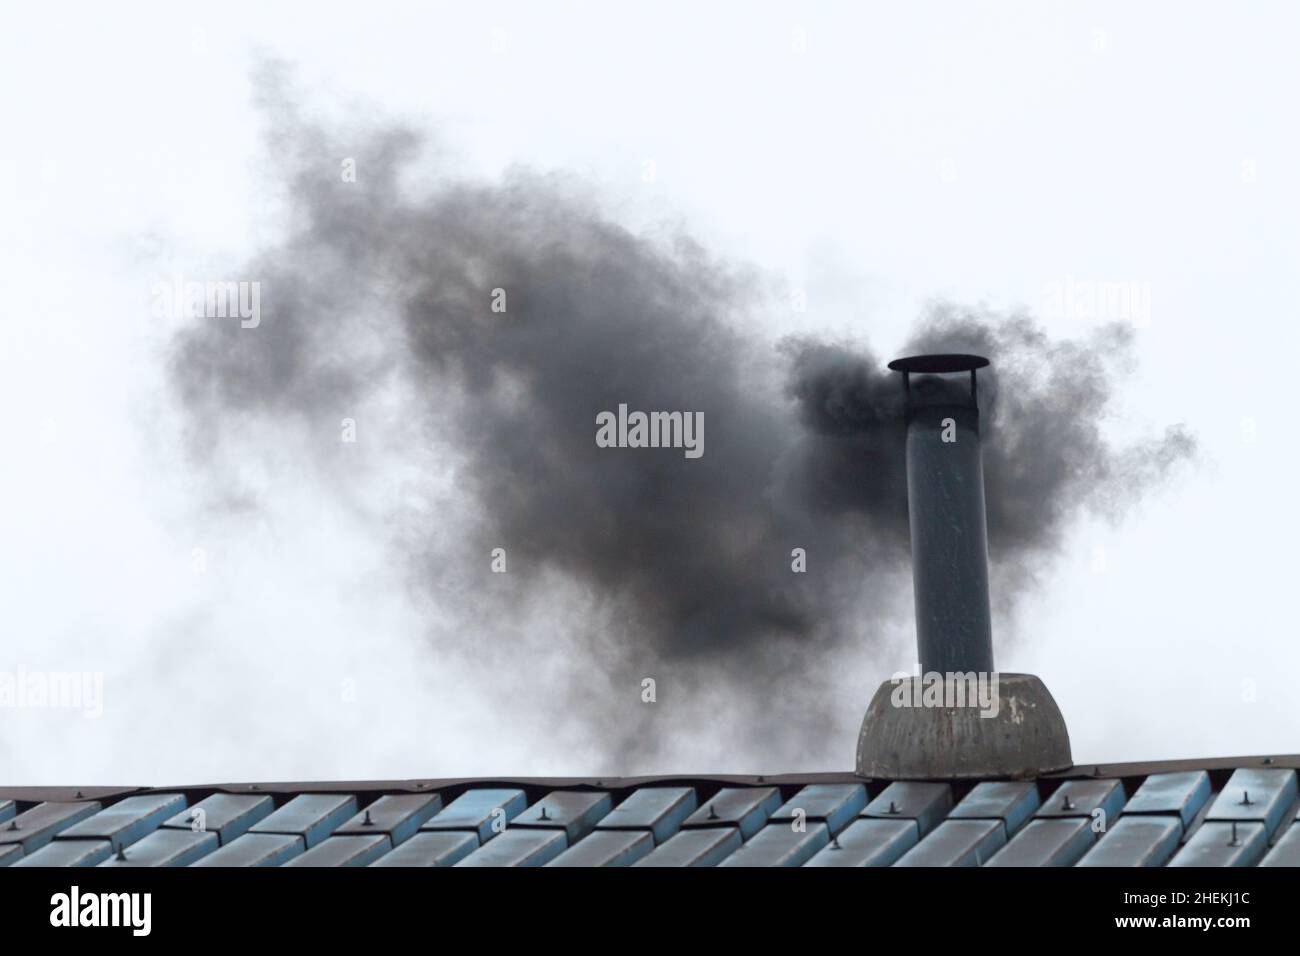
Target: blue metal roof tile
(706, 846)
(1057, 841)
(163, 847)
(926, 803)
(1083, 798)
(8, 810)
(608, 848)
(1140, 840)
(744, 807)
(228, 815)
(69, 853)
(661, 810)
(1257, 795)
(835, 804)
(36, 827)
(432, 848)
(127, 820)
(519, 847)
(345, 851)
(576, 812)
(486, 812)
(256, 849)
(312, 816)
(1183, 794)
(10, 853)
(781, 844)
(958, 843)
(398, 815)
(1286, 851)
(1223, 843)
(868, 842)
(1013, 802)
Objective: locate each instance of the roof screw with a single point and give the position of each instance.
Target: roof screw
(367, 822)
(80, 795)
(835, 843)
(545, 815)
(1245, 798)
(1233, 841)
(892, 807)
(14, 826)
(1096, 771)
(121, 852)
(759, 778)
(713, 814)
(1267, 761)
(1067, 804)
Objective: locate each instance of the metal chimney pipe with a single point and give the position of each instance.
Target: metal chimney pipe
(1020, 733)
(945, 504)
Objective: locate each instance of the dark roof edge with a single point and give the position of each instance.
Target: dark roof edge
(417, 784)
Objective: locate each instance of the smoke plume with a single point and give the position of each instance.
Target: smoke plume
(474, 331)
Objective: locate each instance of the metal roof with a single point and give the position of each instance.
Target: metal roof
(1234, 812)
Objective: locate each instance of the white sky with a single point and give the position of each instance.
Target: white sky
(877, 155)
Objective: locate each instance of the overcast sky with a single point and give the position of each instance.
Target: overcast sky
(876, 156)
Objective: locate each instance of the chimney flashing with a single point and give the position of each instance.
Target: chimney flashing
(1025, 738)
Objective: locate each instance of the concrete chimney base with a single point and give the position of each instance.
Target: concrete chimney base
(1015, 731)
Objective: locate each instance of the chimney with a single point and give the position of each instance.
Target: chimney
(960, 717)
(945, 508)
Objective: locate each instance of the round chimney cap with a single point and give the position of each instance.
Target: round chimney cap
(938, 364)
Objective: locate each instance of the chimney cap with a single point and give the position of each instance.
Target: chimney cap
(938, 364)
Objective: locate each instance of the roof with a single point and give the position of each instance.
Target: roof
(1231, 812)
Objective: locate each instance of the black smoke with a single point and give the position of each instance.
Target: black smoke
(379, 298)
